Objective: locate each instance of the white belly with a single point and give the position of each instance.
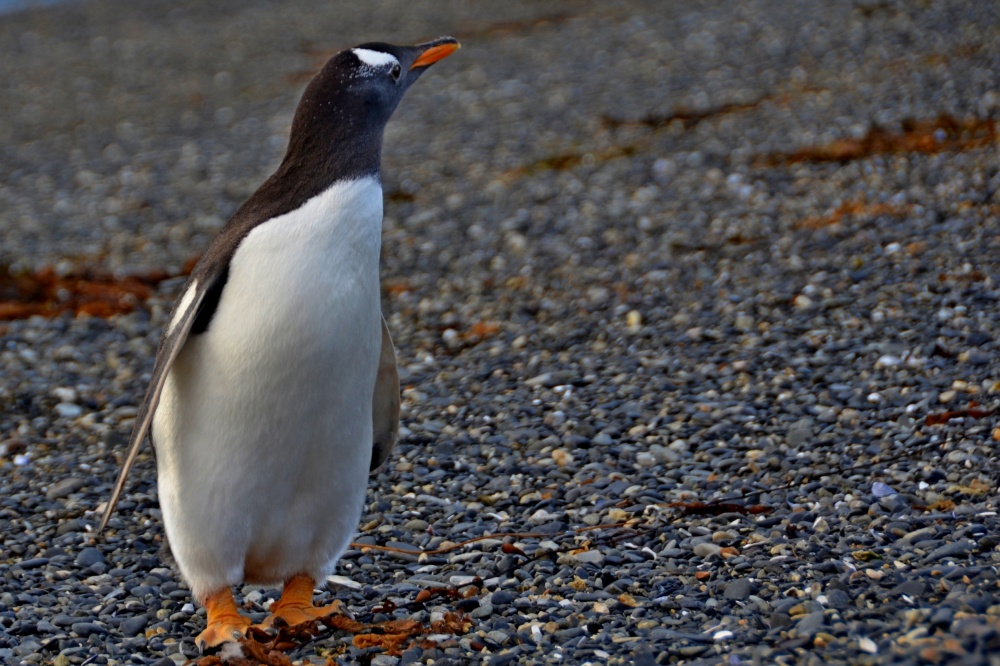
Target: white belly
(264, 429)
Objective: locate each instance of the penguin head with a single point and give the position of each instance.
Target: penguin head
(357, 91)
(338, 125)
(379, 74)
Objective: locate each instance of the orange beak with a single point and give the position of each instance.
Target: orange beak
(435, 53)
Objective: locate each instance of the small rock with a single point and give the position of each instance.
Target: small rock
(867, 645)
(887, 361)
(942, 616)
(645, 459)
(802, 302)
(562, 457)
(501, 598)
(64, 487)
(918, 535)
(955, 549)
(133, 626)
(69, 410)
(589, 557)
(880, 489)
(88, 557)
(738, 590)
(911, 588)
(541, 516)
(86, 629)
(799, 435)
(34, 563)
(707, 549)
(810, 624)
(65, 394)
(485, 610)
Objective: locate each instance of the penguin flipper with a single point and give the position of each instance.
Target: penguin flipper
(385, 402)
(206, 278)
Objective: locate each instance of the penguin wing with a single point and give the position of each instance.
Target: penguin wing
(385, 402)
(206, 282)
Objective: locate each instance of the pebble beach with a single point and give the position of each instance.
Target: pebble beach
(696, 307)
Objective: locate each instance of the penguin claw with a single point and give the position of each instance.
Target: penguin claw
(215, 636)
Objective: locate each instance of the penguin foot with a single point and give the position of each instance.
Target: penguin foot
(225, 624)
(296, 606)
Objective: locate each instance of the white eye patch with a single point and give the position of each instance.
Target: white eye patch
(375, 58)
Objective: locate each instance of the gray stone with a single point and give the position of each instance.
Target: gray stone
(810, 624)
(739, 589)
(838, 598)
(64, 487)
(133, 626)
(956, 549)
(485, 610)
(33, 563)
(88, 557)
(501, 598)
(912, 588)
(85, 629)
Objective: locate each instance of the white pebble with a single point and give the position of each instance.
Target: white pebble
(344, 581)
(721, 636)
(64, 394)
(541, 516)
(69, 410)
(645, 459)
(802, 302)
(589, 557)
(450, 337)
(868, 645)
(887, 361)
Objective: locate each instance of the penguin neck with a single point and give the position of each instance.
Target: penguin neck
(313, 163)
(333, 152)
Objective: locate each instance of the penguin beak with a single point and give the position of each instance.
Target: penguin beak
(439, 49)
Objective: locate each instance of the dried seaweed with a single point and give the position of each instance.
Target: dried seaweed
(44, 293)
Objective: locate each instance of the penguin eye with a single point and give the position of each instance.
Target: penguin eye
(396, 71)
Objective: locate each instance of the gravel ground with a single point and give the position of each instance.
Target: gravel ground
(637, 256)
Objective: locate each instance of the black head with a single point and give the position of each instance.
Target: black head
(344, 109)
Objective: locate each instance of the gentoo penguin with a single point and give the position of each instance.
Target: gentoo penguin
(275, 389)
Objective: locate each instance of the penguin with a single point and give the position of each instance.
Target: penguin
(275, 390)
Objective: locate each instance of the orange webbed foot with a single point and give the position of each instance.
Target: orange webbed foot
(225, 624)
(296, 605)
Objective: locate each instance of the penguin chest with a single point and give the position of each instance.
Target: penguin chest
(300, 311)
(270, 407)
